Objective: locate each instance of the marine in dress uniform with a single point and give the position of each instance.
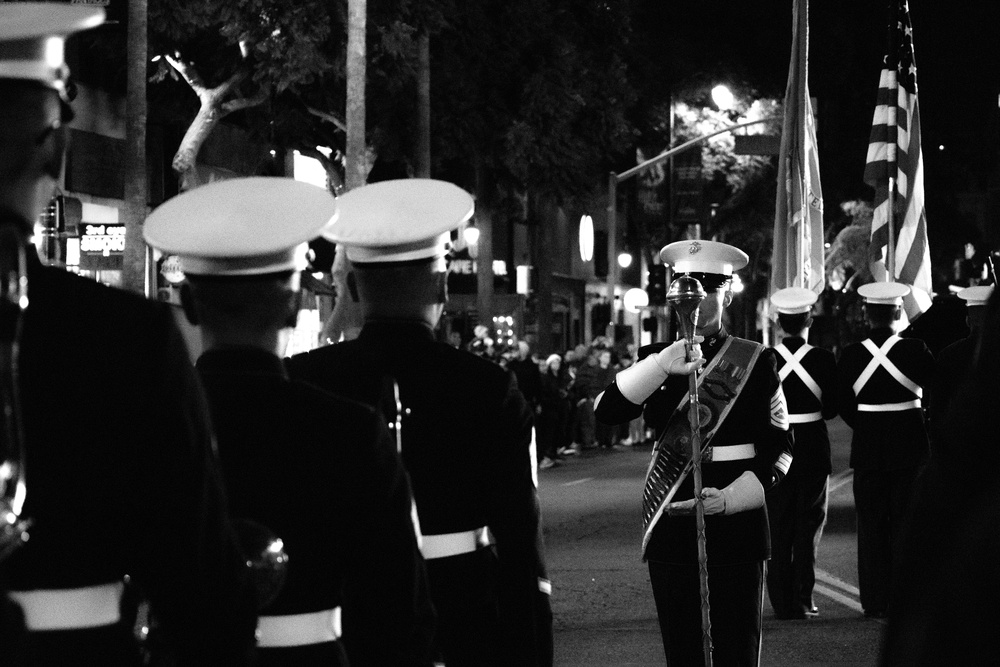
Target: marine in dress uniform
(121, 479)
(750, 452)
(953, 362)
(318, 470)
(881, 383)
(466, 430)
(797, 507)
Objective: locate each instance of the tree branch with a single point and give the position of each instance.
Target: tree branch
(328, 117)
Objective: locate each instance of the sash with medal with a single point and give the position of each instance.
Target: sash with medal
(718, 386)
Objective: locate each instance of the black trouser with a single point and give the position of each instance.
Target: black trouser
(796, 510)
(736, 593)
(881, 498)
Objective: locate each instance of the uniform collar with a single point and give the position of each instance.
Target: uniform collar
(396, 331)
(240, 361)
(713, 343)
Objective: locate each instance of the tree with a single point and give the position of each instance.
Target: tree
(234, 55)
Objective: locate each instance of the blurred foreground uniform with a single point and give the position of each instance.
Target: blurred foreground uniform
(881, 381)
(465, 427)
(954, 362)
(750, 450)
(952, 548)
(797, 507)
(319, 471)
(121, 475)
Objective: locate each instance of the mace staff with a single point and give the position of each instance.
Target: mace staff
(685, 295)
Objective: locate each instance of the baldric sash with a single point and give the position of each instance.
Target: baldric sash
(718, 386)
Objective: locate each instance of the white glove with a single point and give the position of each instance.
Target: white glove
(638, 382)
(745, 493)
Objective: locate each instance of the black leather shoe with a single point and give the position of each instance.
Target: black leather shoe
(812, 611)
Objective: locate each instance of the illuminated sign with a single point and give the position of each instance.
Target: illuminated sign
(102, 246)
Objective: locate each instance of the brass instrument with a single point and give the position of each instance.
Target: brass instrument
(685, 295)
(13, 303)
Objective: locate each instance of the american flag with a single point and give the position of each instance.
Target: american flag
(797, 259)
(894, 151)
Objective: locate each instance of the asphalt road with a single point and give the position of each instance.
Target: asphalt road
(604, 611)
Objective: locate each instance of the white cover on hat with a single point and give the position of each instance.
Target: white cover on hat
(977, 295)
(33, 35)
(703, 257)
(400, 220)
(242, 226)
(884, 293)
(793, 300)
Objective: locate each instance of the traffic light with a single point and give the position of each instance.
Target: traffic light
(656, 285)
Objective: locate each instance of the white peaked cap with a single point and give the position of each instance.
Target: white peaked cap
(400, 220)
(890, 294)
(793, 300)
(33, 38)
(976, 296)
(242, 226)
(703, 257)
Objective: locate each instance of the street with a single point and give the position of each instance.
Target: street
(604, 611)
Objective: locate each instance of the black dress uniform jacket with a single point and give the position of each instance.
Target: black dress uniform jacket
(466, 434)
(888, 449)
(738, 538)
(737, 545)
(122, 477)
(885, 440)
(322, 473)
(797, 507)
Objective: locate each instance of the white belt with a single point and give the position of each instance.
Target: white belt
(804, 417)
(889, 407)
(733, 452)
(454, 544)
(315, 627)
(70, 608)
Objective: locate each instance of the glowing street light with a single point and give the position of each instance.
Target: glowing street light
(723, 97)
(625, 259)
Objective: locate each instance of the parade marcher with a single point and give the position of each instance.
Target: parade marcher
(945, 582)
(749, 451)
(466, 430)
(797, 507)
(953, 362)
(881, 384)
(122, 481)
(319, 471)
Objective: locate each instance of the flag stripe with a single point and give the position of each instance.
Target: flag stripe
(894, 150)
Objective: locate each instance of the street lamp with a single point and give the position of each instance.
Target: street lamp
(625, 259)
(471, 236)
(723, 97)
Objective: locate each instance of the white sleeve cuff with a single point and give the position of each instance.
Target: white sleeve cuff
(638, 382)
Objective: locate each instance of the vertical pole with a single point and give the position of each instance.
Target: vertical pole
(612, 259)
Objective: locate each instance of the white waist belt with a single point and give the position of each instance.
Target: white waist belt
(733, 452)
(70, 608)
(315, 627)
(889, 407)
(804, 417)
(454, 544)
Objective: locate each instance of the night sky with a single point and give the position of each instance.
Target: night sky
(956, 53)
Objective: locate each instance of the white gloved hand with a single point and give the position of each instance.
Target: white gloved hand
(638, 382)
(745, 493)
(672, 359)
